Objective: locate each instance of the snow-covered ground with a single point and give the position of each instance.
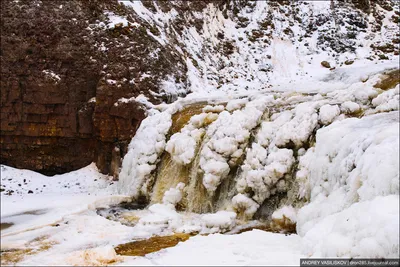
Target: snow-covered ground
(63, 219)
(250, 248)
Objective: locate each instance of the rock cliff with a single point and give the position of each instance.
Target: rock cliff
(77, 76)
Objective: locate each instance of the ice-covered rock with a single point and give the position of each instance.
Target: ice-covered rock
(143, 154)
(243, 203)
(173, 195)
(328, 113)
(227, 139)
(222, 220)
(349, 107)
(354, 181)
(183, 145)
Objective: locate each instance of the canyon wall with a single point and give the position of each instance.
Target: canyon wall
(72, 71)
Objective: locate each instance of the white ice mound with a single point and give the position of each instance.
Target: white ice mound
(183, 145)
(222, 220)
(143, 154)
(328, 113)
(354, 181)
(227, 139)
(173, 195)
(286, 211)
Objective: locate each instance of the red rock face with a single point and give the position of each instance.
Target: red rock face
(58, 109)
(65, 68)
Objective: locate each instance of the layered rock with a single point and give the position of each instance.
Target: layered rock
(62, 72)
(71, 71)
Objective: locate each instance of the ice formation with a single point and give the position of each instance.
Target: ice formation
(243, 203)
(328, 113)
(143, 154)
(227, 140)
(173, 195)
(354, 181)
(303, 172)
(286, 211)
(309, 162)
(326, 136)
(183, 145)
(349, 107)
(387, 101)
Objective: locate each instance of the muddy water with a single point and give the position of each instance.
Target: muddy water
(153, 244)
(170, 173)
(181, 118)
(5, 226)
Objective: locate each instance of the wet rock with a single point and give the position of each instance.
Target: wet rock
(326, 64)
(383, 57)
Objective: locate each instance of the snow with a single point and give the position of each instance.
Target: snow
(53, 76)
(266, 165)
(143, 154)
(250, 248)
(115, 20)
(216, 109)
(220, 220)
(276, 98)
(172, 89)
(111, 82)
(328, 113)
(354, 176)
(94, 257)
(349, 179)
(61, 211)
(173, 195)
(349, 107)
(387, 101)
(227, 137)
(286, 211)
(300, 127)
(183, 145)
(263, 176)
(366, 229)
(86, 180)
(305, 161)
(236, 104)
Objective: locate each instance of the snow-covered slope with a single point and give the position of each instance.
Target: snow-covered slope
(235, 46)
